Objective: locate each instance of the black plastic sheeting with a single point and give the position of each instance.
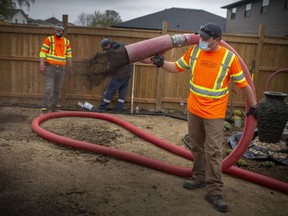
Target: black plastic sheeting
(257, 152)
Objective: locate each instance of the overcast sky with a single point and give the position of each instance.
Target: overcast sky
(127, 9)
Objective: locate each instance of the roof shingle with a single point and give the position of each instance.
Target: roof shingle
(177, 18)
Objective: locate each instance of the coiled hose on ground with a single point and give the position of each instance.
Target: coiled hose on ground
(142, 160)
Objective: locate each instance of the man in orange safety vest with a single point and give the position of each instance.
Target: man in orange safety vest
(211, 66)
(54, 53)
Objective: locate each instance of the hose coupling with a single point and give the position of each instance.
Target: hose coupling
(180, 40)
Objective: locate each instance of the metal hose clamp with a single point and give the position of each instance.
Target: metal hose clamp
(180, 40)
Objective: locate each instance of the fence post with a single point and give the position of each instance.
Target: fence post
(66, 83)
(258, 53)
(65, 24)
(160, 81)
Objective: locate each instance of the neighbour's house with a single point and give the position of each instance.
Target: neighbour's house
(3, 20)
(52, 21)
(16, 16)
(245, 17)
(177, 18)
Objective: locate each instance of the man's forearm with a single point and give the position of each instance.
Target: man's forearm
(250, 96)
(170, 67)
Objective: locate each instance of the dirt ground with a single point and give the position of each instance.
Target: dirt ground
(39, 177)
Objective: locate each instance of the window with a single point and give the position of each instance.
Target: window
(233, 13)
(16, 20)
(265, 5)
(248, 10)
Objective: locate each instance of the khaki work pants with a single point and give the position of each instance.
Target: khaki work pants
(206, 137)
(53, 81)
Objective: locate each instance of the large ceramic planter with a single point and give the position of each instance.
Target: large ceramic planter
(272, 117)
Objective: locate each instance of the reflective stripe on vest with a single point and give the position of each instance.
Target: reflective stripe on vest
(216, 92)
(51, 55)
(193, 58)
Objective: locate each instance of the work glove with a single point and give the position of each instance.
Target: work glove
(158, 60)
(253, 111)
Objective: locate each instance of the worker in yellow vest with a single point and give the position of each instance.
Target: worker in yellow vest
(54, 53)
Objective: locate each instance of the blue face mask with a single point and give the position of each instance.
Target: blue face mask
(203, 45)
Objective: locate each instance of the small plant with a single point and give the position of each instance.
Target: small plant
(237, 114)
(268, 164)
(227, 125)
(229, 151)
(242, 162)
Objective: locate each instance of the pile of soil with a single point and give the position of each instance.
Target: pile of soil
(39, 177)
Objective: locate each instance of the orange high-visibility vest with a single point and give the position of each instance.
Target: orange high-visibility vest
(209, 80)
(55, 50)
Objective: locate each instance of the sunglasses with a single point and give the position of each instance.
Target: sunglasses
(203, 29)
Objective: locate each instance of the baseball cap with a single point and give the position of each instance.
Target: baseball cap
(210, 30)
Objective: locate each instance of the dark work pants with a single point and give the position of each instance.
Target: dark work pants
(114, 85)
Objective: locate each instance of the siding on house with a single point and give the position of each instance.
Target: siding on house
(17, 16)
(275, 20)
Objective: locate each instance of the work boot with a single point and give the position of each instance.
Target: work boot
(217, 202)
(193, 184)
(55, 108)
(43, 110)
(102, 108)
(119, 107)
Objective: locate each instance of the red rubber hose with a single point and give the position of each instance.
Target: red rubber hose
(138, 159)
(276, 72)
(96, 148)
(250, 121)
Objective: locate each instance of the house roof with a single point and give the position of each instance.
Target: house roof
(52, 20)
(177, 18)
(235, 4)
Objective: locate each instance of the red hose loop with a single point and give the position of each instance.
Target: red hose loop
(138, 159)
(96, 148)
(250, 121)
(276, 72)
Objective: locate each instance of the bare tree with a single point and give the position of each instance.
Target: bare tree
(84, 19)
(110, 17)
(22, 3)
(6, 5)
(98, 19)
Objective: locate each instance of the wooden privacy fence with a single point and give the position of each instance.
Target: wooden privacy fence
(22, 84)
